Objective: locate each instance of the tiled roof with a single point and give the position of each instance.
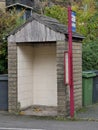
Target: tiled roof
(25, 2)
(51, 23)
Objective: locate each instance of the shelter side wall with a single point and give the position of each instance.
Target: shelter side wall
(25, 75)
(61, 87)
(64, 90)
(12, 77)
(77, 74)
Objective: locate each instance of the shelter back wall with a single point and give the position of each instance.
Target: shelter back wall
(37, 78)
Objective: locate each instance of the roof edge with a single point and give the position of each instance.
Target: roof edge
(26, 6)
(39, 19)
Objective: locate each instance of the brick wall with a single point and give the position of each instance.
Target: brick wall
(62, 89)
(77, 71)
(12, 77)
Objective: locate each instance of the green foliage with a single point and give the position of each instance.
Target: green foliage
(57, 12)
(86, 19)
(92, 28)
(87, 24)
(3, 58)
(7, 23)
(90, 55)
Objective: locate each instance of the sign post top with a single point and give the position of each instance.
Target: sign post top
(73, 18)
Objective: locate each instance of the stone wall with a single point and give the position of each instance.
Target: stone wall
(64, 90)
(77, 74)
(12, 77)
(61, 88)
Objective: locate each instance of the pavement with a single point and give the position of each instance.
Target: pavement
(16, 122)
(85, 119)
(88, 113)
(40, 111)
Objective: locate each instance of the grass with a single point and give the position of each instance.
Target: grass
(82, 110)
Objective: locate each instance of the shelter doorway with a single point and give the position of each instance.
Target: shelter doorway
(37, 75)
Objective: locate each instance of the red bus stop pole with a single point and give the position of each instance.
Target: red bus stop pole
(70, 62)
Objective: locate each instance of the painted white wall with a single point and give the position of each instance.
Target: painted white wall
(25, 75)
(44, 76)
(37, 78)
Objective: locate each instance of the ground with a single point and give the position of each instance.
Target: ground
(89, 112)
(21, 122)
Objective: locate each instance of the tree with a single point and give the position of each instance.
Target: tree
(87, 24)
(86, 18)
(90, 55)
(57, 12)
(46, 4)
(7, 23)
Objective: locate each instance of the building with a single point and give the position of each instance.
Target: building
(36, 66)
(24, 2)
(2, 5)
(20, 5)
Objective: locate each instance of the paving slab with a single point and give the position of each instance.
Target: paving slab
(89, 112)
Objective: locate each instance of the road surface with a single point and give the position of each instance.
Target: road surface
(12, 122)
